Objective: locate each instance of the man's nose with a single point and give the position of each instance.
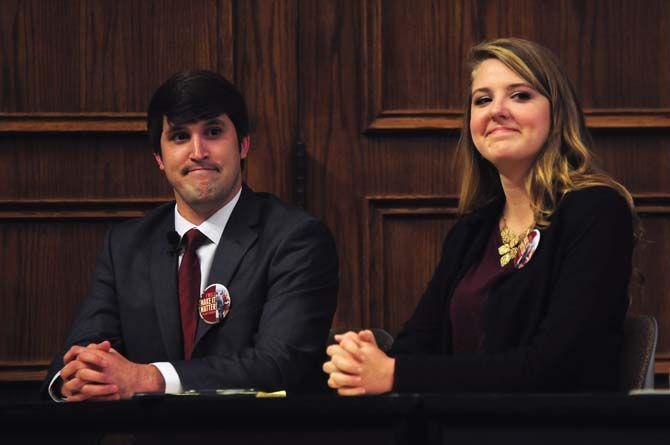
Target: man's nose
(199, 148)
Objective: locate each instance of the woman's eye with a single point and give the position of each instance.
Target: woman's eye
(522, 95)
(481, 100)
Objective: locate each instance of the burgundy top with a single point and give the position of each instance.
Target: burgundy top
(467, 304)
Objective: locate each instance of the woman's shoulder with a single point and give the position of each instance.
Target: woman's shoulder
(597, 202)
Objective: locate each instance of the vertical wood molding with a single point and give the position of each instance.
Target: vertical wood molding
(379, 209)
(226, 40)
(371, 61)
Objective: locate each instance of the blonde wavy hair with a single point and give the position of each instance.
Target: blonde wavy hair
(564, 163)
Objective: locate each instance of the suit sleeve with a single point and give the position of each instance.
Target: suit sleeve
(294, 323)
(584, 314)
(98, 318)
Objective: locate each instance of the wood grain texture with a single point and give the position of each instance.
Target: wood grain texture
(428, 37)
(45, 272)
(330, 116)
(412, 164)
(435, 35)
(415, 77)
(391, 121)
(41, 51)
(78, 166)
(400, 120)
(97, 55)
(73, 122)
(23, 371)
(266, 70)
(603, 44)
(404, 246)
(639, 160)
(76, 209)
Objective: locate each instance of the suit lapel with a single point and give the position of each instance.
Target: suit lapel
(236, 240)
(163, 273)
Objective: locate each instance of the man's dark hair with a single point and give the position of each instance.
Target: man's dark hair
(192, 96)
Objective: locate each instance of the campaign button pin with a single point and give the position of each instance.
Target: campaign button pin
(214, 303)
(524, 256)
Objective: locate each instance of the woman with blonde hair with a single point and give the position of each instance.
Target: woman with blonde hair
(530, 293)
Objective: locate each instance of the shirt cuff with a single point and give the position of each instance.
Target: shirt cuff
(52, 391)
(172, 381)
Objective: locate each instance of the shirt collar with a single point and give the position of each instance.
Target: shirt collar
(213, 226)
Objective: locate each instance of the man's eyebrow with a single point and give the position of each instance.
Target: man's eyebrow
(172, 128)
(214, 121)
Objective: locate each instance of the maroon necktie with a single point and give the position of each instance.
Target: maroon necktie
(189, 288)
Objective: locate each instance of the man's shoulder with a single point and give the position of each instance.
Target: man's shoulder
(276, 215)
(143, 228)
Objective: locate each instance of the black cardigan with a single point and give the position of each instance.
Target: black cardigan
(554, 325)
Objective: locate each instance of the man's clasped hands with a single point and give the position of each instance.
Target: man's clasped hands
(99, 372)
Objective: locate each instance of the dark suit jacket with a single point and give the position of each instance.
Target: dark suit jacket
(554, 325)
(280, 266)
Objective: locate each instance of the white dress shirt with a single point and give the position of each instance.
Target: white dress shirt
(212, 228)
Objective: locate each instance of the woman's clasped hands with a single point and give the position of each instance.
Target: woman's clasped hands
(357, 366)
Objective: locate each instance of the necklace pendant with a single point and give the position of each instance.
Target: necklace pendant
(505, 259)
(511, 243)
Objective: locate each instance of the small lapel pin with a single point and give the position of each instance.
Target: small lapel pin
(214, 303)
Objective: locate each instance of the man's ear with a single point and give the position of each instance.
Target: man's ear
(244, 147)
(159, 161)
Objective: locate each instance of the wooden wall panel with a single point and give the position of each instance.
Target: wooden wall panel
(41, 54)
(411, 164)
(434, 37)
(96, 55)
(78, 166)
(639, 159)
(268, 76)
(414, 53)
(405, 243)
(603, 43)
(330, 117)
(46, 268)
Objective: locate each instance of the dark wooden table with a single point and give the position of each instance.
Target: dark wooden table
(543, 419)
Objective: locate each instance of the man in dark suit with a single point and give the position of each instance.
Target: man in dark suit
(145, 326)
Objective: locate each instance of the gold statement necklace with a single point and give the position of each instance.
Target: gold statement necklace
(510, 242)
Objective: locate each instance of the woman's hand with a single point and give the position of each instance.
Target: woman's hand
(357, 366)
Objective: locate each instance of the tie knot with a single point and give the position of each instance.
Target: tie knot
(194, 239)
